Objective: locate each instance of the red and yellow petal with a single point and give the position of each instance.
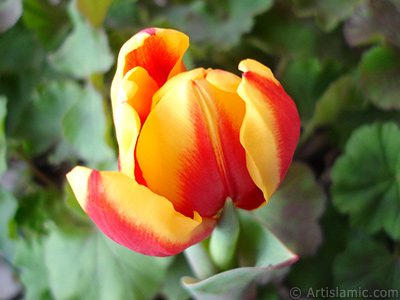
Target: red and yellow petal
(158, 51)
(271, 126)
(247, 194)
(192, 155)
(133, 216)
(137, 88)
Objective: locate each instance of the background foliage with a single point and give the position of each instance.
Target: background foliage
(338, 208)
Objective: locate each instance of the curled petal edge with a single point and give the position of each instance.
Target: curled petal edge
(159, 51)
(271, 117)
(135, 217)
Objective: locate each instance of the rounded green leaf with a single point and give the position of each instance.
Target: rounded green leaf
(328, 13)
(216, 23)
(368, 265)
(380, 76)
(92, 267)
(30, 257)
(343, 95)
(85, 51)
(84, 126)
(366, 179)
(41, 126)
(294, 210)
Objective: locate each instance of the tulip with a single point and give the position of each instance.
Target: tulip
(188, 141)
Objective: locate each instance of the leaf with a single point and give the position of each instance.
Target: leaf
(92, 267)
(95, 11)
(21, 65)
(368, 265)
(3, 142)
(260, 253)
(8, 207)
(121, 14)
(305, 80)
(34, 210)
(84, 126)
(172, 288)
(42, 127)
(222, 24)
(315, 272)
(372, 21)
(20, 52)
(280, 33)
(30, 257)
(344, 94)
(366, 179)
(85, 50)
(294, 210)
(328, 13)
(10, 12)
(48, 21)
(380, 76)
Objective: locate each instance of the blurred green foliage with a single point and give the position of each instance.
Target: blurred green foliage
(338, 208)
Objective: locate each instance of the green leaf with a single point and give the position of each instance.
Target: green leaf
(372, 21)
(41, 126)
(260, 254)
(366, 179)
(172, 288)
(280, 33)
(20, 51)
(95, 11)
(30, 257)
(219, 23)
(92, 267)
(328, 13)
(122, 14)
(380, 76)
(3, 142)
(305, 80)
(316, 271)
(294, 210)
(10, 12)
(368, 265)
(33, 211)
(49, 22)
(8, 207)
(85, 51)
(84, 126)
(344, 94)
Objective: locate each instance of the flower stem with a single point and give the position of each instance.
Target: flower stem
(199, 261)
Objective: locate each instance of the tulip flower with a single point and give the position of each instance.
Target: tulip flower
(188, 140)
